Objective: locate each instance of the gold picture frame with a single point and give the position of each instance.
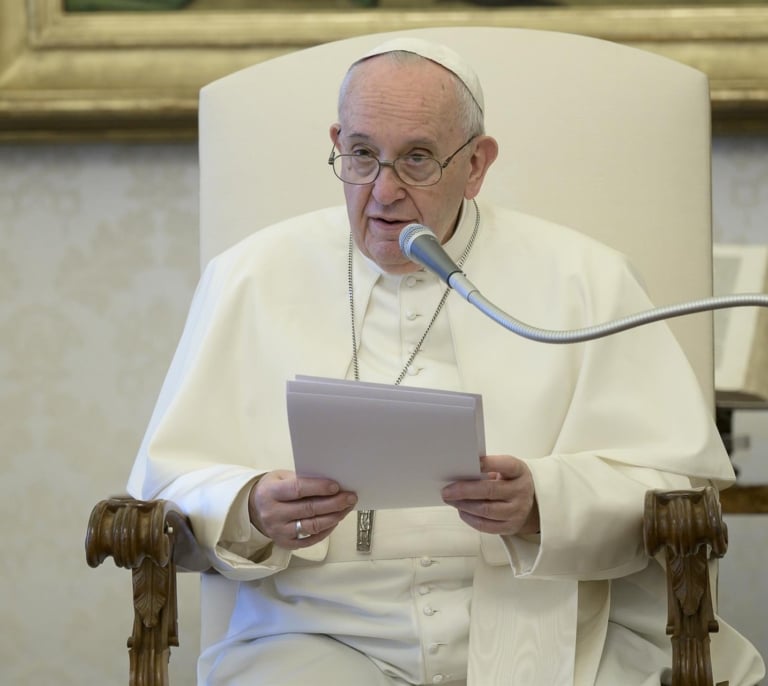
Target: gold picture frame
(136, 76)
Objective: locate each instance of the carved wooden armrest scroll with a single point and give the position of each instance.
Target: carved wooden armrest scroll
(689, 526)
(148, 538)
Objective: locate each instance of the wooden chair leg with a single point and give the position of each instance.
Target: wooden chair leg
(689, 527)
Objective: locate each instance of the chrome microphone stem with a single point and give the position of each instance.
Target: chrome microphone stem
(462, 285)
(420, 244)
(589, 333)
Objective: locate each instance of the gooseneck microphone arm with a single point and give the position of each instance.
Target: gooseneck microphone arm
(419, 244)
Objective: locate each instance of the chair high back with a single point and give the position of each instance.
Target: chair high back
(605, 138)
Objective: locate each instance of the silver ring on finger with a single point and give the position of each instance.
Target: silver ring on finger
(300, 533)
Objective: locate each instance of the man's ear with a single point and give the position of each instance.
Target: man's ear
(334, 132)
(485, 152)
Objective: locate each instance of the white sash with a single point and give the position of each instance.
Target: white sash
(522, 631)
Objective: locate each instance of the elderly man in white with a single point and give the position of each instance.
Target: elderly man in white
(536, 576)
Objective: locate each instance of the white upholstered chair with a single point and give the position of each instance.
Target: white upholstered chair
(605, 138)
(608, 139)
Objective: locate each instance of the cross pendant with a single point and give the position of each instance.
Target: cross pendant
(364, 530)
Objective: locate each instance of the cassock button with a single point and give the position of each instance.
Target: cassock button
(410, 281)
(428, 611)
(426, 561)
(424, 589)
(433, 648)
(438, 679)
(410, 315)
(413, 371)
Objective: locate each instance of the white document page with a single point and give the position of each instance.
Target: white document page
(395, 446)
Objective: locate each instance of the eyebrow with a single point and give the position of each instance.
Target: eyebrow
(414, 143)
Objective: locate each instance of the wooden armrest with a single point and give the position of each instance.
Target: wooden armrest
(689, 527)
(151, 538)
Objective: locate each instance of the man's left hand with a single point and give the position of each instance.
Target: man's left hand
(504, 503)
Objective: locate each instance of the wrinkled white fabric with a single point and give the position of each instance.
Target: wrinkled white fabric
(598, 424)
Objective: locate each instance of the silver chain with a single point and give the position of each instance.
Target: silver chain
(417, 348)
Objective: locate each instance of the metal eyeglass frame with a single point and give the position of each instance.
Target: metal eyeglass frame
(385, 163)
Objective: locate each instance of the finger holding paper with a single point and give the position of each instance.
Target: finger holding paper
(296, 512)
(505, 503)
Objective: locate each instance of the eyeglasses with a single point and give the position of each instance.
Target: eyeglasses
(362, 167)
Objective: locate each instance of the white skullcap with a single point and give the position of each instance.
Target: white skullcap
(439, 54)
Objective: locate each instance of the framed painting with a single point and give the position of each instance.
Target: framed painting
(121, 70)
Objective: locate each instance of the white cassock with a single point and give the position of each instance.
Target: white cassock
(598, 423)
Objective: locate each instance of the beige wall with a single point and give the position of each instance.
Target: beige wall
(97, 266)
(98, 263)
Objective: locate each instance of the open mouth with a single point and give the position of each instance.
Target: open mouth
(385, 222)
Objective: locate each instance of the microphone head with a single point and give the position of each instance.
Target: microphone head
(409, 234)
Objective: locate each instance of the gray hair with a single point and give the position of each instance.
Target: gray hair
(468, 111)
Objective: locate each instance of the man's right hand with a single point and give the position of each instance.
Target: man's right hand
(280, 500)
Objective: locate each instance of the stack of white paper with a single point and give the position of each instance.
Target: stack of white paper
(395, 446)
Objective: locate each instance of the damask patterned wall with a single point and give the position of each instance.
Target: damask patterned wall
(97, 266)
(98, 262)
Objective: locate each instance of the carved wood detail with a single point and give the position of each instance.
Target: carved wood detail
(689, 527)
(141, 536)
(152, 537)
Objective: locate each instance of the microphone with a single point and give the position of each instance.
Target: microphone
(419, 244)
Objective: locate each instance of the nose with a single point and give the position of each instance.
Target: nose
(387, 188)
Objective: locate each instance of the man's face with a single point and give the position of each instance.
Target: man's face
(392, 110)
